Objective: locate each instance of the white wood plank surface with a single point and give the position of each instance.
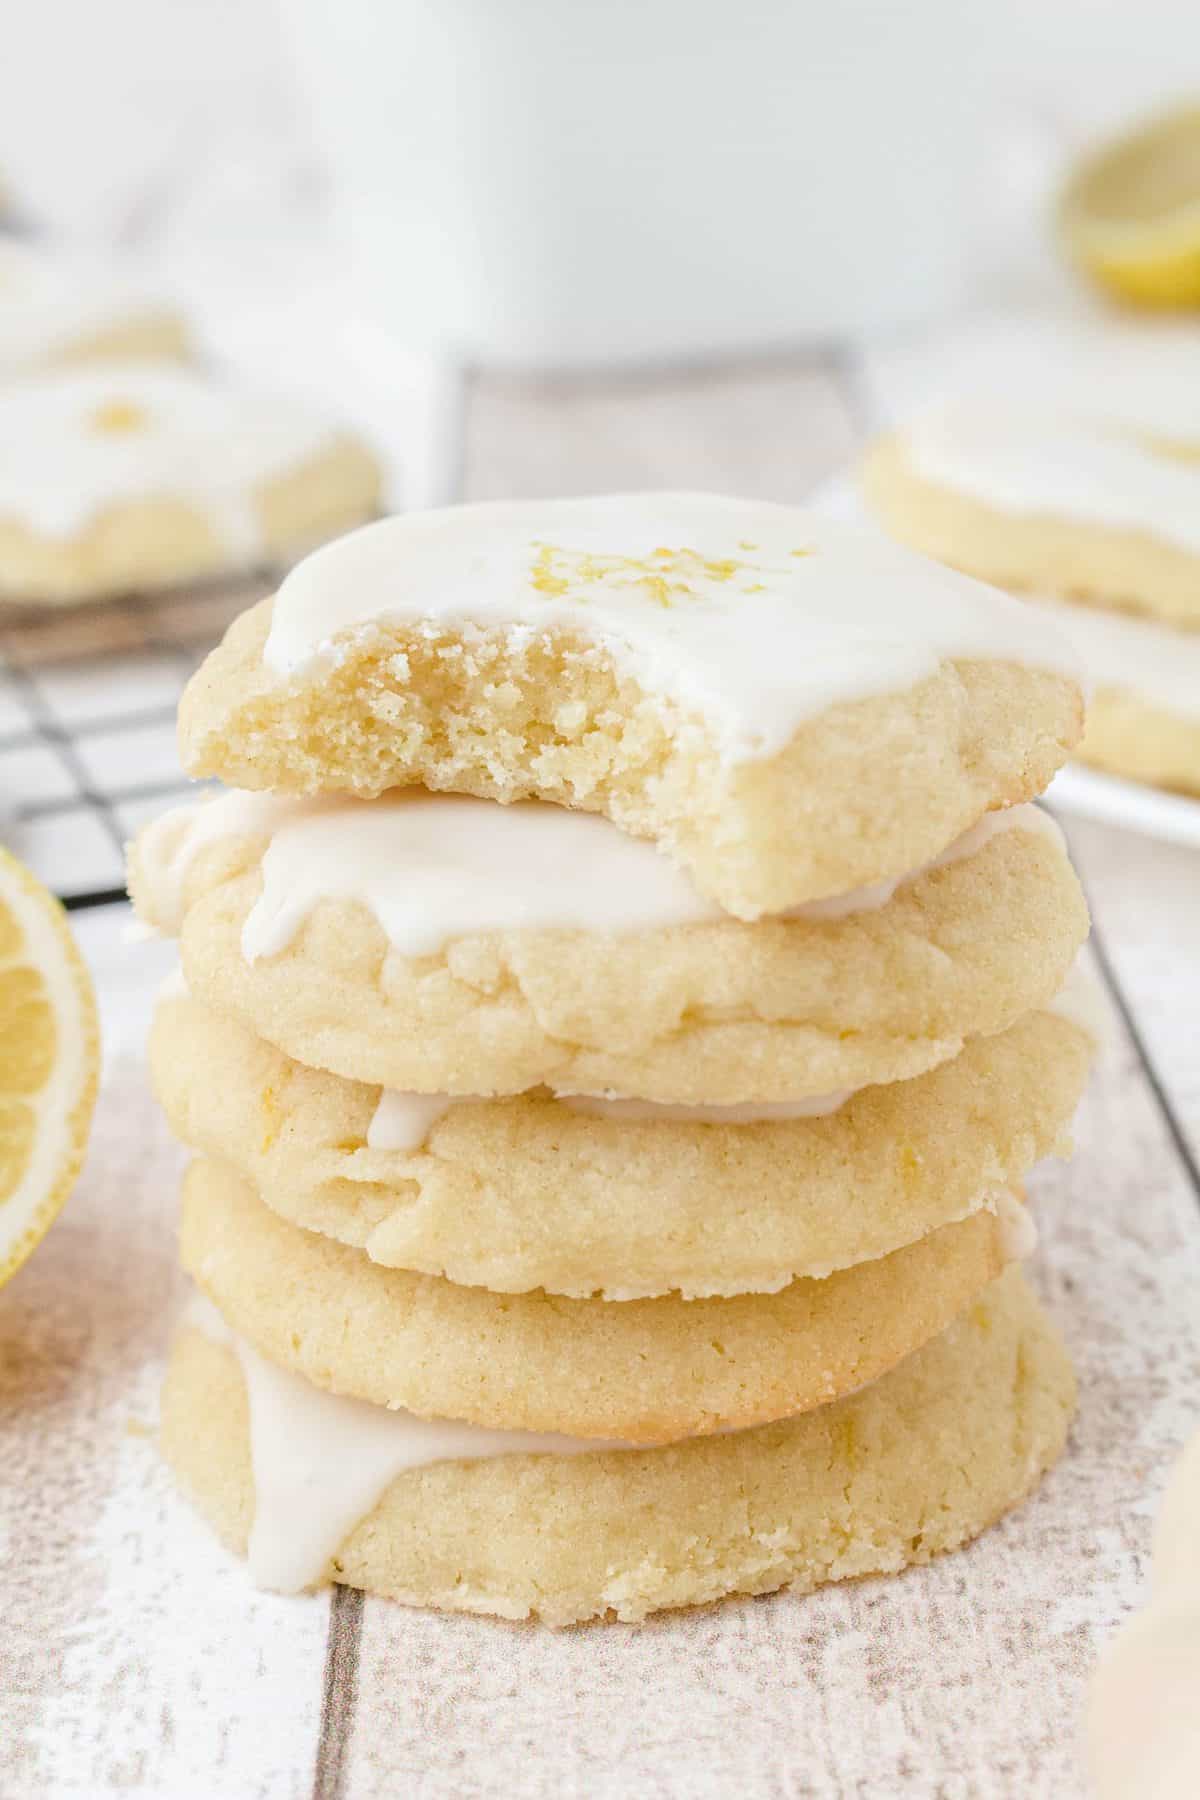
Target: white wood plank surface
(134, 1657)
(771, 428)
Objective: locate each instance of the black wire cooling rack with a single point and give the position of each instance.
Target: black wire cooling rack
(87, 726)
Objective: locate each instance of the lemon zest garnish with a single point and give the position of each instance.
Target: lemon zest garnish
(542, 576)
(665, 575)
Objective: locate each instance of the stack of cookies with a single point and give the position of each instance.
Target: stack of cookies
(1089, 502)
(618, 1008)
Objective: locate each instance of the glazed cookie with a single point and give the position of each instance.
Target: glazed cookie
(644, 1372)
(1143, 718)
(55, 311)
(531, 1191)
(441, 944)
(1128, 735)
(115, 480)
(791, 708)
(1049, 502)
(483, 1522)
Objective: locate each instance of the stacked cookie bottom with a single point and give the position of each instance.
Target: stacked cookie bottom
(755, 1322)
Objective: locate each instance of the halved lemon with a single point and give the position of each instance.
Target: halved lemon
(1130, 213)
(49, 1061)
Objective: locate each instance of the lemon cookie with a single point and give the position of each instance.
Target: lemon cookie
(1129, 736)
(645, 1370)
(1143, 718)
(790, 707)
(442, 944)
(117, 479)
(487, 1522)
(55, 311)
(1056, 502)
(621, 1198)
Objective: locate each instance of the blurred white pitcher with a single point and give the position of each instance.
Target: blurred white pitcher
(573, 181)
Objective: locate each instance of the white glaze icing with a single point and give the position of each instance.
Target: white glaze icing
(613, 1106)
(322, 1461)
(173, 986)
(433, 867)
(752, 616)
(403, 1121)
(170, 844)
(870, 899)
(1141, 374)
(1143, 1719)
(1082, 464)
(1018, 1232)
(76, 442)
(1151, 661)
(49, 305)
(1081, 1000)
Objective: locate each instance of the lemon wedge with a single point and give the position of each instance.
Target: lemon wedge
(49, 1061)
(1130, 214)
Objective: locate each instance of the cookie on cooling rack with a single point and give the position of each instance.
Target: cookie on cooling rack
(129, 477)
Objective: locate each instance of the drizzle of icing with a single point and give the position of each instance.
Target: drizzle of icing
(870, 899)
(433, 867)
(78, 441)
(1159, 665)
(403, 1121)
(1022, 457)
(613, 1106)
(1081, 1000)
(169, 845)
(1018, 1232)
(755, 617)
(173, 986)
(322, 1461)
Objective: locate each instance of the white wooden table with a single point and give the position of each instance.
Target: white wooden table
(134, 1657)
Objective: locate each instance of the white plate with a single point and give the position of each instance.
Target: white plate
(1091, 795)
(1084, 792)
